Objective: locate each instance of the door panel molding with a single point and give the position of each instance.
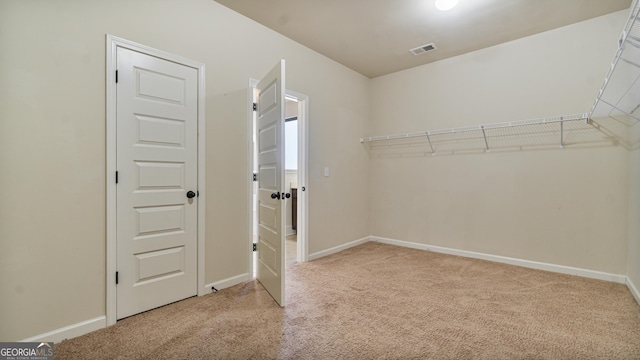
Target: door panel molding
(112, 44)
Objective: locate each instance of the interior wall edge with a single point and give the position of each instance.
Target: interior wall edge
(335, 249)
(633, 252)
(633, 289)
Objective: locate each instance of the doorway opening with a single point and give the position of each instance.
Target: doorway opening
(291, 179)
(295, 174)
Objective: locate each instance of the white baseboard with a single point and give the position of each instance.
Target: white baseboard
(633, 289)
(339, 248)
(621, 279)
(100, 322)
(71, 331)
(228, 282)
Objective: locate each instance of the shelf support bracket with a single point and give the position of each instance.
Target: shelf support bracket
(561, 133)
(430, 145)
(486, 144)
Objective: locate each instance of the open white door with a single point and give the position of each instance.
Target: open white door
(271, 216)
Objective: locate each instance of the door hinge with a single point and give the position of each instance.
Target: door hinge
(116, 76)
(116, 177)
(255, 176)
(255, 247)
(255, 107)
(116, 278)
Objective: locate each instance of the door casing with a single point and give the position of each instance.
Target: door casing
(112, 43)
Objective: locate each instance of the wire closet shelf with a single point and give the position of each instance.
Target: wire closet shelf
(619, 95)
(487, 135)
(614, 112)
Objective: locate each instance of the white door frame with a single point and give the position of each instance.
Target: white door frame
(303, 172)
(113, 43)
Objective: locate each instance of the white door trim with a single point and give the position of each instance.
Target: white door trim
(303, 172)
(112, 44)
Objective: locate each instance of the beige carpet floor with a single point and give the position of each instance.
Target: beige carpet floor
(291, 250)
(378, 301)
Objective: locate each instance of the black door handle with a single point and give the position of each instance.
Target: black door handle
(275, 195)
(191, 194)
(287, 195)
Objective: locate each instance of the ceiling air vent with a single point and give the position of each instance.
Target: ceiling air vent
(423, 49)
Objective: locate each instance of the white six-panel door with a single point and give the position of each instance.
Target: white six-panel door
(271, 215)
(157, 119)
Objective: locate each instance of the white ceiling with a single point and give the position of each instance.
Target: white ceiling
(373, 37)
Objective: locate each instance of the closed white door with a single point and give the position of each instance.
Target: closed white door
(271, 190)
(157, 111)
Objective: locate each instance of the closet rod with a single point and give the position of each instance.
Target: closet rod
(482, 128)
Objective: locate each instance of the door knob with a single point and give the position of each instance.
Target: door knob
(275, 195)
(287, 195)
(191, 194)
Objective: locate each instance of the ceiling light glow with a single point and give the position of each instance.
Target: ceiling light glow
(445, 5)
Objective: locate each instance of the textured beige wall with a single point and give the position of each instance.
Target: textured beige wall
(52, 144)
(566, 207)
